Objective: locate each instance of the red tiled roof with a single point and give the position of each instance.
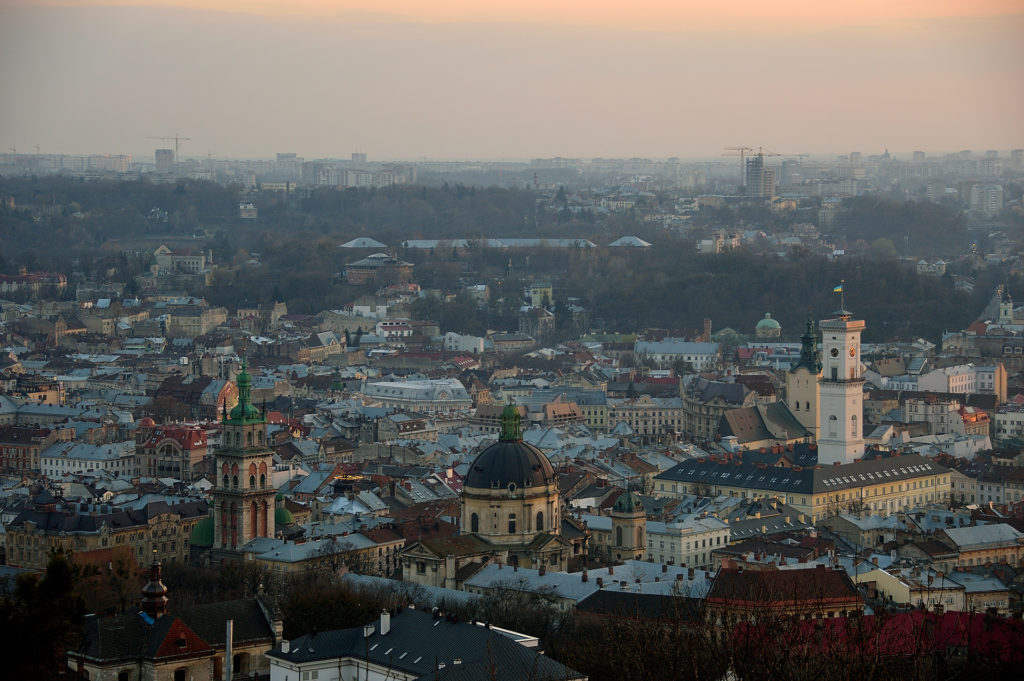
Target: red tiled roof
(189, 437)
(781, 589)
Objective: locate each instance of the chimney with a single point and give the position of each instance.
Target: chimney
(611, 569)
(664, 567)
(285, 646)
(600, 583)
(689, 573)
(385, 622)
(543, 570)
(584, 576)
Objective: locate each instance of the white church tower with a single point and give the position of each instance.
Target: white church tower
(840, 429)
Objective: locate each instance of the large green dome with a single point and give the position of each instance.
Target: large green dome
(202, 533)
(768, 322)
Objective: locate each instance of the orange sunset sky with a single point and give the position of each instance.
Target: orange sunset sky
(502, 79)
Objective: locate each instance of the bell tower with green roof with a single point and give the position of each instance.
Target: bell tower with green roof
(243, 499)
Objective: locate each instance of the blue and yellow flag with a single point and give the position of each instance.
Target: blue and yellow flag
(837, 289)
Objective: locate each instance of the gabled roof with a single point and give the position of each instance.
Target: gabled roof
(131, 637)
(419, 643)
(773, 421)
(363, 242)
(816, 587)
(207, 621)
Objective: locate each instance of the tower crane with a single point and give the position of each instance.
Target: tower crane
(178, 139)
(742, 153)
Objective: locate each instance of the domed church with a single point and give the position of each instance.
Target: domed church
(511, 512)
(510, 494)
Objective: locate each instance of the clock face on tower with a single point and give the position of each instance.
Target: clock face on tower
(852, 352)
(835, 352)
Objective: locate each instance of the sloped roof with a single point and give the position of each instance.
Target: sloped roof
(773, 421)
(207, 620)
(782, 588)
(629, 241)
(417, 642)
(363, 242)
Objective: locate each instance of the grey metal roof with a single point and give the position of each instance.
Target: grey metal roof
(419, 643)
(745, 471)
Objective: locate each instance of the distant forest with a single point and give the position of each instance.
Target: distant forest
(104, 229)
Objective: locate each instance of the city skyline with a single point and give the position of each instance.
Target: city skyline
(509, 80)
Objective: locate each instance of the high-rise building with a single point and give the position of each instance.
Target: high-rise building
(760, 181)
(164, 160)
(755, 164)
(987, 199)
(840, 434)
(243, 500)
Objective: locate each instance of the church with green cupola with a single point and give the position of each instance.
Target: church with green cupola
(511, 514)
(243, 499)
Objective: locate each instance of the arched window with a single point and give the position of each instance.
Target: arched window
(808, 407)
(225, 482)
(249, 438)
(833, 426)
(618, 536)
(474, 523)
(252, 482)
(234, 481)
(259, 437)
(263, 480)
(853, 426)
(540, 521)
(797, 406)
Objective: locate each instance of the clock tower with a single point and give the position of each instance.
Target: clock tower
(840, 434)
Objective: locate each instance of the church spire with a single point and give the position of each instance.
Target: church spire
(154, 594)
(245, 410)
(810, 356)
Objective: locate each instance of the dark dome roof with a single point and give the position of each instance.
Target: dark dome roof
(505, 463)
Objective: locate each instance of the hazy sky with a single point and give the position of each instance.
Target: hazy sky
(511, 79)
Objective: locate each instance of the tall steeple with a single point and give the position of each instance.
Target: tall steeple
(810, 356)
(244, 496)
(802, 388)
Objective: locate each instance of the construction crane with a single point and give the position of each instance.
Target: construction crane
(761, 151)
(178, 139)
(742, 153)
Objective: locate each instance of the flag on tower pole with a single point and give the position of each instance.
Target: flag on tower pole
(842, 296)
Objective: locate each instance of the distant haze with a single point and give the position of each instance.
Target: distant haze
(511, 80)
